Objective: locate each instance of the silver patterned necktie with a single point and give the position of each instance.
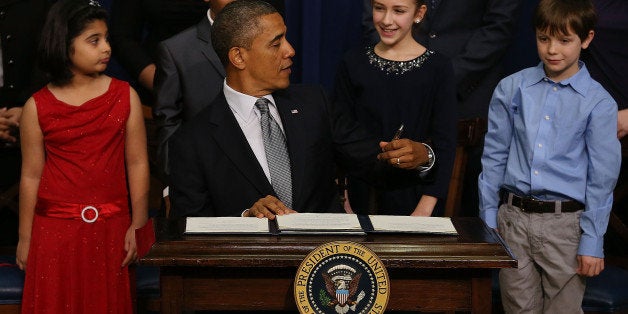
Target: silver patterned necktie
(276, 153)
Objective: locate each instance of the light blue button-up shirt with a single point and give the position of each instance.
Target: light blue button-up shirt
(553, 141)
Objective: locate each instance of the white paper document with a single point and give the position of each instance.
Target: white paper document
(385, 223)
(314, 223)
(226, 225)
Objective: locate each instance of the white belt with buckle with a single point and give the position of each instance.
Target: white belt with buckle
(88, 208)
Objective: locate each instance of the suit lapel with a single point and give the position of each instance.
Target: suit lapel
(293, 128)
(227, 133)
(204, 35)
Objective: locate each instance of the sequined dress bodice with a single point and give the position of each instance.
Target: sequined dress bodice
(84, 146)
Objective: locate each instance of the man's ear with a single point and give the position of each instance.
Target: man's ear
(236, 57)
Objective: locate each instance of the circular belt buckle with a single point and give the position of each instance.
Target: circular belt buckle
(83, 214)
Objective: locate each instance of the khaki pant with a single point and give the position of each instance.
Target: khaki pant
(545, 246)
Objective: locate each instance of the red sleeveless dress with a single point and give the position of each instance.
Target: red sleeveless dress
(82, 212)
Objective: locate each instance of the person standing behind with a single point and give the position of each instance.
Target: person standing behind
(137, 26)
(551, 154)
(20, 27)
(399, 81)
(83, 141)
(189, 76)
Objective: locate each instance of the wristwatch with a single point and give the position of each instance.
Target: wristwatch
(431, 159)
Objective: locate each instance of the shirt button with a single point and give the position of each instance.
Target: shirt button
(432, 35)
(536, 172)
(546, 117)
(554, 88)
(540, 145)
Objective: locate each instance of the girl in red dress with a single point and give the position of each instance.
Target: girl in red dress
(84, 154)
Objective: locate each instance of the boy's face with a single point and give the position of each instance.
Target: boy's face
(560, 53)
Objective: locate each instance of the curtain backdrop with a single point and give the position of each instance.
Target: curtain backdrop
(321, 31)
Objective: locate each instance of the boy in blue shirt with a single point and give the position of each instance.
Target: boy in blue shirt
(551, 159)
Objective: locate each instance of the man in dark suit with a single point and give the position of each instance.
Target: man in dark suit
(475, 35)
(220, 164)
(188, 77)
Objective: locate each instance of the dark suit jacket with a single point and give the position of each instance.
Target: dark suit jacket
(475, 34)
(189, 76)
(215, 173)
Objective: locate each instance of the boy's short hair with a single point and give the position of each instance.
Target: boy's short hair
(557, 16)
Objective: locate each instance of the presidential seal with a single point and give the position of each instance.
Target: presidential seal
(341, 277)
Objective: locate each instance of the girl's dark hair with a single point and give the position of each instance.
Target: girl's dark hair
(557, 16)
(66, 20)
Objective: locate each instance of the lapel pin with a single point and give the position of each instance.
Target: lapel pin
(294, 111)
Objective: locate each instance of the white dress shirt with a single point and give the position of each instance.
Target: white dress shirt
(248, 117)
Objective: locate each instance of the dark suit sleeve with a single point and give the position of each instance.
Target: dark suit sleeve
(127, 25)
(168, 108)
(188, 189)
(487, 45)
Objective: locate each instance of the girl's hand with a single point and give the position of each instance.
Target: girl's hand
(130, 247)
(21, 255)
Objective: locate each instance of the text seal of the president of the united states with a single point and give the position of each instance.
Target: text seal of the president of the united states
(341, 277)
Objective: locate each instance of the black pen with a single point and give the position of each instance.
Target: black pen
(398, 133)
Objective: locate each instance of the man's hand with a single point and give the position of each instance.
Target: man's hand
(268, 207)
(403, 153)
(9, 119)
(589, 266)
(622, 123)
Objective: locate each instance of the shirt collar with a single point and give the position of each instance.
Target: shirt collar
(209, 17)
(241, 104)
(579, 81)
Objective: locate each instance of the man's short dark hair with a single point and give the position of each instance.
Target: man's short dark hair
(557, 16)
(237, 25)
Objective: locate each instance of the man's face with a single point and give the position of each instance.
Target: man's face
(268, 60)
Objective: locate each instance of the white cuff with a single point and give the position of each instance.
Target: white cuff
(431, 159)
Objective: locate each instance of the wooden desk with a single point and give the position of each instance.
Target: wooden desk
(248, 272)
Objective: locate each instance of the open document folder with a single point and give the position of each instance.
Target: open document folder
(319, 223)
(310, 223)
(412, 224)
(223, 225)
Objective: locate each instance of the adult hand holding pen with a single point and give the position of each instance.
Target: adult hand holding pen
(404, 153)
(268, 207)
